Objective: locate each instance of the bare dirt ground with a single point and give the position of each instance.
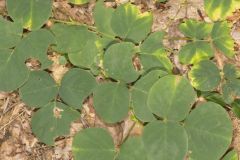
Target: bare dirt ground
(16, 139)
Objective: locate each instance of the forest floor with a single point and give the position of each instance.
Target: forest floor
(17, 142)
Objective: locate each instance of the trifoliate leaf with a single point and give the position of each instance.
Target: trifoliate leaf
(111, 101)
(218, 9)
(72, 38)
(194, 52)
(171, 97)
(139, 94)
(118, 64)
(195, 29)
(165, 141)
(39, 89)
(209, 131)
(130, 24)
(157, 60)
(133, 149)
(229, 71)
(76, 85)
(93, 144)
(10, 33)
(53, 120)
(232, 155)
(236, 108)
(153, 43)
(32, 14)
(102, 16)
(222, 38)
(205, 75)
(78, 1)
(13, 72)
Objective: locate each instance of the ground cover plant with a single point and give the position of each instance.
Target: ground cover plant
(183, 111)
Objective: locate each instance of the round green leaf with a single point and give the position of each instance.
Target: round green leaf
(118, 64)
(132, 149)
(222, 39)
(93, 144)
(130, 24)
(231, 90)
(196, 51)
(165, 141)
(72, 38)
(13, 73)
(205, 75)
(111, 101)
(78, 1)
(53, 120)
(153, 43)
(171, 97)
(158, 60)
(139, 94)
(35, 46)
(232, 155)
(10, 33)
(229, 71)
(39, 89)
(86, 57)
(32, 14)
(209, 131)
(76, 85)
(195, 29)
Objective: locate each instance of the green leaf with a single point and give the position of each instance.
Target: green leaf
(175, 100)
(13, 72)
(205, 76)
(196, 51)
(39, 89)
(195, 29)
(232, 155)
(139, 94)
(86, 57)
(102, 16)
(229, 71)
(93, 144)
(53, 120)
(10, 33)
(157, 60)
(35, 46)
(209, 131)
(32, 14)
(222, 39)
(236, 108)
(218, 9)
(76, 85)
(231, 90)
(78, 1)
(165, 141)
(153, 43)
(132, 149)
(118, 64)
(130, 24)
(111, 101)
(72, 38)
